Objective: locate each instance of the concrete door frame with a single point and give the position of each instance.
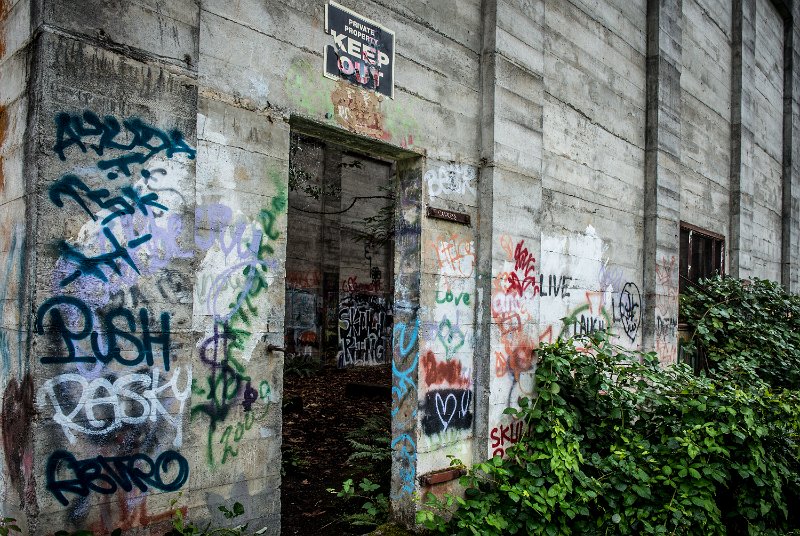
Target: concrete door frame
(407, 276)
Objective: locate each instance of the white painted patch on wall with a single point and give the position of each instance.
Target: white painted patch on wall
(259, 86)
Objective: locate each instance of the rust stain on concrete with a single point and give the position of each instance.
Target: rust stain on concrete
(5, 7)
(240, 174)
(16, 417)
(3, 133)
(358, 110)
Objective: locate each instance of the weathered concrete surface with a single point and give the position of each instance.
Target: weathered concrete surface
(144, 177)
(768, 142)
(662, 177)
(18, 479)
(706, 112)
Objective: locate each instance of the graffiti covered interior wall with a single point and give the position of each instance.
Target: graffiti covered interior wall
(339, 263)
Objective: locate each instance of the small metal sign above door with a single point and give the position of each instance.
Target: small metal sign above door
(362, 51)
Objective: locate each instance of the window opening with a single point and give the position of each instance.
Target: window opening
(702, 255)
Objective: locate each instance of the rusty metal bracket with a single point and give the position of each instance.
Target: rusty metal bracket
(439, 477)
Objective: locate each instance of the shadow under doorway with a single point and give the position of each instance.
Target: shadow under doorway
(338, 337)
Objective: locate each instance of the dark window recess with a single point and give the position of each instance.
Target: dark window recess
(702, 255)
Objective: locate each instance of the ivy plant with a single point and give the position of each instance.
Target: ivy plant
(615, 444)
(753, 320)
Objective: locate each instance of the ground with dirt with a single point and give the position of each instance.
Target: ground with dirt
(319, 410)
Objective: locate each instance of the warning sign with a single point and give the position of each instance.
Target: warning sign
(362, 51)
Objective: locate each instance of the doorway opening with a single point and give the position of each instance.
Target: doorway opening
(338, 332)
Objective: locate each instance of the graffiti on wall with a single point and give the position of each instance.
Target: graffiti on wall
(13, 270)
(131, 399)
(88, 131)
(133, 231)
(359, 110)
(446, 396)
(666, 328)
(451, 179)
(505, 435)
(225, 351)
(455, 255)
(116, 364)
(302, 321)
(105, 341)
(629, 309)
(570, 291)
(308, 279)
(404, 393)
(445, 409)
(349, 106)
(3, 114)
(513, 291)
(105, 475)
(16, 426)
(589, 317)
(363, 324)
(405, 346)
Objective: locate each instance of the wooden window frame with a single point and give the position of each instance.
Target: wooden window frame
(717, 248)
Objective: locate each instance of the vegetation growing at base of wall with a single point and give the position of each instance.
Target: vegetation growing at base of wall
(755, 321)
(180, 525)
(618, 445)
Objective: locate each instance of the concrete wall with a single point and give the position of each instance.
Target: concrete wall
(18, 482)
(144, 150)
(768, 147)
(705, 118)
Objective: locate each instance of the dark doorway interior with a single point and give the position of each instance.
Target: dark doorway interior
(339, 268)
(338, 329)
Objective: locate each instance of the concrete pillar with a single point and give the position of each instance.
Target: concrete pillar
(662, 177)
(406, 344)
(789, 231)
(792, 132)
(509, 208)
(742, 138)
